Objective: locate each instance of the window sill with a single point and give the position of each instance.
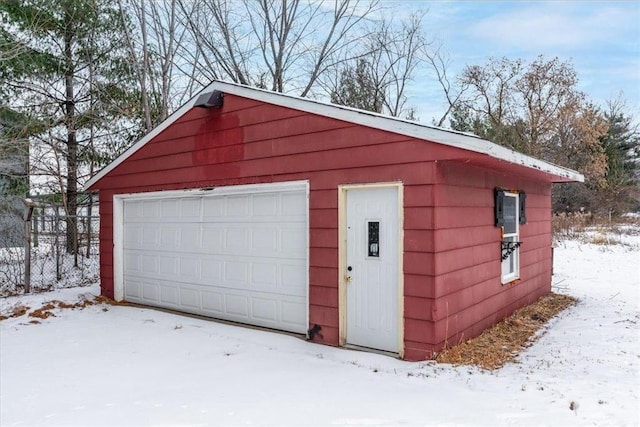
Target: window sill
(510, 281)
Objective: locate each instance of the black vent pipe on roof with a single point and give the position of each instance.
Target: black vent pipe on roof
(210, 100)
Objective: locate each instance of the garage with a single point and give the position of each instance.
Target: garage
(355, 228)
(233, 253)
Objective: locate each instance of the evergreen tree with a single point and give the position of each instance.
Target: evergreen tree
(66, 70)
(622, 146)
(357, 88)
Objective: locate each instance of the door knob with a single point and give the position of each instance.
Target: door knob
(347, 279)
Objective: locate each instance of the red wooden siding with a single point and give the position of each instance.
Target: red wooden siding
(451, 257)
(467, 292)
(249, 142)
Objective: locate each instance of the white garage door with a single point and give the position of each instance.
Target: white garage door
(234, 253)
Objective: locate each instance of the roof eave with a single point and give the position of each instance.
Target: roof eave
(364, 118)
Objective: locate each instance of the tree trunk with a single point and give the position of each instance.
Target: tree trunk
(71, 195)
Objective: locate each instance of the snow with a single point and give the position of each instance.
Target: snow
(127, 366)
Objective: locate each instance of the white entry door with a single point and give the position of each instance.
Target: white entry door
(372, 268)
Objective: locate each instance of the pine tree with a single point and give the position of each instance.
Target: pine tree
(65, 69)
(622, 146)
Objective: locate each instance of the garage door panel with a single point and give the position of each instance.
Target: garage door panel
(237, 305)
(169, 295)
(150, 264)
(211, 270)
(235, 274)
(231, 273)
(189, 208)
(239, 257)
(256, 308)
(264, 309)
(189, 269)
(189, 238)
(237, 206)
(264, 240)
(293, 204)
(168, 236)
(189, 298)
(150, 291)
(290, 278)
(292, 311)
(150, 236)
(264, 276)
(133, 209)
(213, 208)
(169, 208)
(133, 289)
(236, 240)
(293, 242)
(132, 235)
(265, 205)
(168, 265)
(151, 208)
(212, 237)
(132, 263)
(212, 302)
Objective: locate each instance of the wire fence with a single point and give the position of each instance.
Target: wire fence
(50, 264)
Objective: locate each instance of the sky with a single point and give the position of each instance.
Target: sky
(601, 39)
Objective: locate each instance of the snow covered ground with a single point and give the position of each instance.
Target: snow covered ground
(123, 366)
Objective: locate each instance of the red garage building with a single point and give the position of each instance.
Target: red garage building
(352, 227)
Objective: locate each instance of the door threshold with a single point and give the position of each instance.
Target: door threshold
(372, 350)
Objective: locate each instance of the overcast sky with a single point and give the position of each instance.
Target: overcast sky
(600, 38)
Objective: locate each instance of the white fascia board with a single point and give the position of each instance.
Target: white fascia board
(352, 115)
(511, 156)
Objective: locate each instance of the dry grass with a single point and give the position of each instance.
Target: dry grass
(18, 310)
(502, 342)
(47, 309)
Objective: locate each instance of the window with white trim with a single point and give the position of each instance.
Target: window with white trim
(510, 238)
(509, 214)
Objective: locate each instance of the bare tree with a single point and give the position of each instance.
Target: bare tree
(493, 93)
(153, 45)
(378, 79)
(545, 88)
(518, 104)
(537, 109)
(282, 45)
(439, 63)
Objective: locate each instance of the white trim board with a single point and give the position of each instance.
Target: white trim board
(352, 115)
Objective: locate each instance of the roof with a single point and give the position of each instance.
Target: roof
(365, 118)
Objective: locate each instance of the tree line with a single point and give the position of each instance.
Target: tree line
(83, 79)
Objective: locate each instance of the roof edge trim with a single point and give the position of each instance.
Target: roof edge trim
(364, 118)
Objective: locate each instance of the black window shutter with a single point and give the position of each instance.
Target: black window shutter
(499, 207)
(523, 214)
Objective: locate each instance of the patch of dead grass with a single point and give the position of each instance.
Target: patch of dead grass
(502, 343)
(46, 310)
(18, 310)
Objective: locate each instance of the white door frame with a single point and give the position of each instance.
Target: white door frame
(342, 258)
(118, 220)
